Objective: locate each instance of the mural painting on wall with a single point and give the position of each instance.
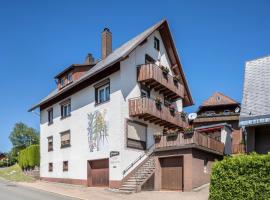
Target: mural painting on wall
(97, 131)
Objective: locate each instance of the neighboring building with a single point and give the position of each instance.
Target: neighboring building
(219, 108)
(2, 156)
(104, 123)
(255, 113)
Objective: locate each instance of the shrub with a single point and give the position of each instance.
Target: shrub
(29, 157)
(241, 177)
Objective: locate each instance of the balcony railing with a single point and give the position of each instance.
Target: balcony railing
(153, 77)
(180, 140)
(147, 109)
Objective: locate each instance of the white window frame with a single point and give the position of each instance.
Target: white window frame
(62, 82)
(70, 77)
(102, 91)
(66, 109)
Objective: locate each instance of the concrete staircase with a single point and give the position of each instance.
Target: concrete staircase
(139, 177)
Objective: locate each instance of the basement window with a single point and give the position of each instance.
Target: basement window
(65, 166)
(50, 167)
(156, 44)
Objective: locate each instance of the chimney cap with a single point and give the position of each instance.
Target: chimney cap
(106, 29)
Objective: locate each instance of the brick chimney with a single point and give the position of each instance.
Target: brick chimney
(106, 43)
(89, 59)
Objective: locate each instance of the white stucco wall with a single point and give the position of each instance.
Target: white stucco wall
(123, 85)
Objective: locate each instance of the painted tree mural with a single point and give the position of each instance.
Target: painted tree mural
(97, 130)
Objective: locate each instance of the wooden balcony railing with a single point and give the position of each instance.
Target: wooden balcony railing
(153, 77)
(168, 141)
(238, 148)
(146, 108)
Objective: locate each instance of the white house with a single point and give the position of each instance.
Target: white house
(106, 117)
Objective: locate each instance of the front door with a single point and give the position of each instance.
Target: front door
(172, 173)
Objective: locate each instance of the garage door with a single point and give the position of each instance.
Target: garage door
(99, 173)
(172, 173)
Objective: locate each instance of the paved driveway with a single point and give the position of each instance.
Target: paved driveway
(11, 191)
(87, 193)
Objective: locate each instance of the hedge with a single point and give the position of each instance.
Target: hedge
(29, 157)
(241, 177)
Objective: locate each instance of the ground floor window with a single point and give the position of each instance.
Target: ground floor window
(136, 135)
(50, 167)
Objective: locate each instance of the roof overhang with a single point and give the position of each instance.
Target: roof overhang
(254, 120)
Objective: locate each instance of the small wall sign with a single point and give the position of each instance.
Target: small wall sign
(114, 153)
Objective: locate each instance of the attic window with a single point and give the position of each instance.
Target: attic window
(218, 98)
(156, 43)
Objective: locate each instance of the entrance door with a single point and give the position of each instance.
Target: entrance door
(98, 173)
(172, 173)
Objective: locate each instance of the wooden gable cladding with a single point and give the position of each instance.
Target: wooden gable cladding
(152, 77)
(175, 62)
(146, 109)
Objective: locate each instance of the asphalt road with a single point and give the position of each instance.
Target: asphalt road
(11, 191)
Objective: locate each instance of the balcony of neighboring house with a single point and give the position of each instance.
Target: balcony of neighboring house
(159, 79)
(155, 112)
(192, 139)
(212, 116)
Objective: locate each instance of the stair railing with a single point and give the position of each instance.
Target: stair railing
(147, 153)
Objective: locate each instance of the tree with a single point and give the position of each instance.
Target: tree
(23, 136)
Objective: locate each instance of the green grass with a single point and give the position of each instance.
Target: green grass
(14, 173)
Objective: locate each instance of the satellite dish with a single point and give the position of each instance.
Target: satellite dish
(192, 116)
(237, 110)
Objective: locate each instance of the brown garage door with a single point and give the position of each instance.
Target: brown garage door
(172, 173)
(99, 173)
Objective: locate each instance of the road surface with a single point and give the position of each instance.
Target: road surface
(11, 191)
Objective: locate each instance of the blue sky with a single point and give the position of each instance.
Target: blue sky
(38, 39)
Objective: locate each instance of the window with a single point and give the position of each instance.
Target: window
(205, 165)
(65, 139)
(50, 167)
(66, 109)
(102, 91)
(62, 82)
(156, 43)
(145, 92)
(136, 135)
(149, 59)
(50, 116)
(65, 166)
(69, 77)
(167, 102)
(50, 143)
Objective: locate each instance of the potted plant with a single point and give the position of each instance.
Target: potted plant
(158, 102)
(172, 108)
(176, 79)
(188, 130)
(165, 70)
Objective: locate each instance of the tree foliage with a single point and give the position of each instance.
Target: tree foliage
(29, 157)
(244, 177)
(23, 136)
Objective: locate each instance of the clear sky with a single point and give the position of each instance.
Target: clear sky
(38, 39)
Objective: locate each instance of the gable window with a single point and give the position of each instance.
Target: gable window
(65, 166)
(149, 59)
(156, 44)
(50, 167)
(62, 82)
(65, 109)
(65, 139)
(50, 116)
(136, 135)
(50, 143)
(69, 77)
(102, 91)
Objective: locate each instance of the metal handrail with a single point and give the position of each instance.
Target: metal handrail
(147, 153)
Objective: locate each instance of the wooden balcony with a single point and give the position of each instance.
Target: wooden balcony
(153, 77)
(194, 139)
(147, 109)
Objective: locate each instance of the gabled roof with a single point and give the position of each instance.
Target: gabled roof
(256, 93)
(218, 99)
(121, 53)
